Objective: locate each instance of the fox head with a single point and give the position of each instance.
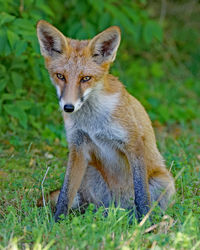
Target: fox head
(77, 68)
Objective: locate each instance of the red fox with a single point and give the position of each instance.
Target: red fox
(113, 157)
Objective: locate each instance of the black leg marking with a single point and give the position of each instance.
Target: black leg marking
(142, 198)
(62, 204)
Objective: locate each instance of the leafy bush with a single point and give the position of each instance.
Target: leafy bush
(27, 98)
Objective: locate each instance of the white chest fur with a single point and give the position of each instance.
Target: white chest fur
(95, 120)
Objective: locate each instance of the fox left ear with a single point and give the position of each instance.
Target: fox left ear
(104, 46)
(52, 41)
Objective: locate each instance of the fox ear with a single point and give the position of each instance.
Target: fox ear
(52, 41)
(104, 46)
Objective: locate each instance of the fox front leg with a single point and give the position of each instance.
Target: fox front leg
(140, 184)
(141, 188)
(73, 178)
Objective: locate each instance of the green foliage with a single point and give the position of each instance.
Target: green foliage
(24, 83)
(21, 69)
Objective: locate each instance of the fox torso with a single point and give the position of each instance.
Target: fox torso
(113, 153)
(95, 128)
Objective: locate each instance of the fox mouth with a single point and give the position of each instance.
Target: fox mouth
(81, 102)
(73, 107)
(70, 108)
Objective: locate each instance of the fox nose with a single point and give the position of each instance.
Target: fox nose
(69, 108)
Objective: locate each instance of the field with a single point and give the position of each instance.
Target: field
(161, 68)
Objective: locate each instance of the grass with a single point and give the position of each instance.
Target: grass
(24, 161)
(169, 90)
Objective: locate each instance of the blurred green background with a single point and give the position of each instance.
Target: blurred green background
(158, 60)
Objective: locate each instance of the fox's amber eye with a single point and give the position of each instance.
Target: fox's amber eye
(85, 78)
(60, 76)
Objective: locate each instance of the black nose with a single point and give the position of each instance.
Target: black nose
(69, 108)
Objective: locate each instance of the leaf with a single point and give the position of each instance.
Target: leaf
(131, 13)
(20, 47)
(23, 24)
(158, 32)
(13, 38)
(17, 112)
(45, 8)
(7, 50)
(152, 30)
(121, 17)
(2, 84)
(3, 40)
(98, 5)
(8, 97)
(74, 28)
(6, 18)
(137, 32)
(25, 105)
(148, 33)
(104, 21)
(34, 43)
(3, 71)
(17, 79)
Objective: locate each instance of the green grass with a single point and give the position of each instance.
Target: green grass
(23, 224)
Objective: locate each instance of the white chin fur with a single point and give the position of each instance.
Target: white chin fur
(58, 90)
(62, 104)
(78, 104)
(86, 93)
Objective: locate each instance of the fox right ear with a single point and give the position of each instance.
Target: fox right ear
(52, 41)
(104, 46)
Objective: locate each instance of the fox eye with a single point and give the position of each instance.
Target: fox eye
(85, 78)
(60, 76)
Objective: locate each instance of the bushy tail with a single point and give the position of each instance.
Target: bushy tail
(162, 189)
(52, 198)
